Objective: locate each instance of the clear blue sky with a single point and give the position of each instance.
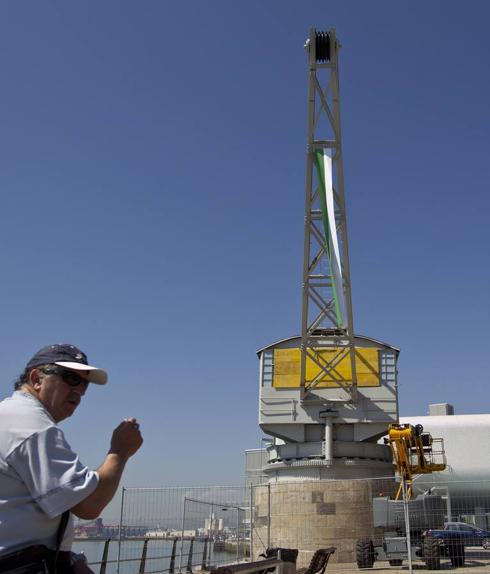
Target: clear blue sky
(152, 159)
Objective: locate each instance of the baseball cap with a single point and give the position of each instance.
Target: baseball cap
(70, 357)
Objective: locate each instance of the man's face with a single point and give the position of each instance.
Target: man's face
(59, 398)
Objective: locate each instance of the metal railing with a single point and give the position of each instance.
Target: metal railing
(145, 561)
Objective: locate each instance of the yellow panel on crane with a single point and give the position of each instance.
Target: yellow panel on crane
(287, 367)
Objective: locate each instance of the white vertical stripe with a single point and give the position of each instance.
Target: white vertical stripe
(335, 256)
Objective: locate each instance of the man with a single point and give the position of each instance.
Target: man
(40, 476)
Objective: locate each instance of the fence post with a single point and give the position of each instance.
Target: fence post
(189, 558)
(448, 504)
(182, 539)
(237, 540)
(120, 530)
(211, 536)
(252, 522)
(268, 516)
(407, 523)
(204, 554)
(103, 564)
(171, 568)
(143, 557)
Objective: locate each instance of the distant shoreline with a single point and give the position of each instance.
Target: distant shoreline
(103, 538)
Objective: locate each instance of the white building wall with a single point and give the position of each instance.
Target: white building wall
(467, 446)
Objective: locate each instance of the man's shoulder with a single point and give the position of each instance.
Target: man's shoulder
(24, 404)
(21, 416)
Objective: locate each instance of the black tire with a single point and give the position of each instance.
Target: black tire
(396, 562)
(364, 553)
(457, 555)
(432, 553)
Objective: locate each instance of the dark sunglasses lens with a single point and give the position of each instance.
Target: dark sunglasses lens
(73, 379)
(69, 377)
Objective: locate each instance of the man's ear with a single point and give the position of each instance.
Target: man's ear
(35, 379)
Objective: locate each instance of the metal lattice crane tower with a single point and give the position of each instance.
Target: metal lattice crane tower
(326, 307)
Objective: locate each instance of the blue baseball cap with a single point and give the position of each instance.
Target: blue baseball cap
(69, 357)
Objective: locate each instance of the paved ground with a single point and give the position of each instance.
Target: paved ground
(477, 562)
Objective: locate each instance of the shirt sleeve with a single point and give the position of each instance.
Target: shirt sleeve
(52, 472)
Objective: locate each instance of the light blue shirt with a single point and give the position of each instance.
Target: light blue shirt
(40, 476)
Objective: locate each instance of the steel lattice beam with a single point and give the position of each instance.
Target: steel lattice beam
(320, 307)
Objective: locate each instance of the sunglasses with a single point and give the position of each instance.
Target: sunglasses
(69, 377)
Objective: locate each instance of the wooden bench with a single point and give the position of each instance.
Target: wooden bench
(287, 554)
(318, 564)
(318, 561)
(258, 566)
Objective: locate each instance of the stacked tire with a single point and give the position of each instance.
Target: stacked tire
(456, 554)
(365, 553)
(432, 553)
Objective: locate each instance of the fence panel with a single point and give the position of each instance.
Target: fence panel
(179, 523)
(188, 529)
(225, 525)
(458, 521)
(370, 530)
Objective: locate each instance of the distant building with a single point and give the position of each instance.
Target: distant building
(213, 524)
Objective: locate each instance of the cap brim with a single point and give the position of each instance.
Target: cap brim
(94, 375)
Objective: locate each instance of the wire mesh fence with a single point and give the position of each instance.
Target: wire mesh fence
(181, 529)
(187, 527)
(226, 527)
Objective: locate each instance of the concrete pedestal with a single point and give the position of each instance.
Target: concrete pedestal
(316, 514)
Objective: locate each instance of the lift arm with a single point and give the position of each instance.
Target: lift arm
(414, 453)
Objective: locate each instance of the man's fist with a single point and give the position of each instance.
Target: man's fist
(126, 438)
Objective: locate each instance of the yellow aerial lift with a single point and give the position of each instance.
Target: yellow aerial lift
(414, 452)
(405, 521)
